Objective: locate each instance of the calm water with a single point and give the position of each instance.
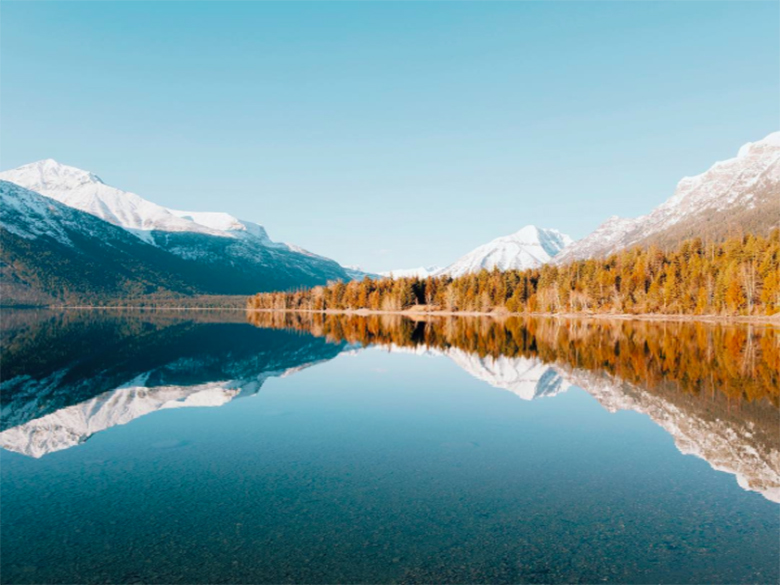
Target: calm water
(208, 448)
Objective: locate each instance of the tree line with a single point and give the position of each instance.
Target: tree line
(737, 276)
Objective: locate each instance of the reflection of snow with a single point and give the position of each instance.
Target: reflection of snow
(73, 425)
(70, 426)
(729, 445)
(528, 378)
(726, 445)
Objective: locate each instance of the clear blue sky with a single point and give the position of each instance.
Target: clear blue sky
(391, 134)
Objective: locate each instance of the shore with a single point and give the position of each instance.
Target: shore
(417, 313)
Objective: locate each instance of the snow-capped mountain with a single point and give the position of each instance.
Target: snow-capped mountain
(86, 191)
(28, 215)
(48, 247)
(528, 248)
(227, 255)
(419, 272)
(741, 194)
(355, 272)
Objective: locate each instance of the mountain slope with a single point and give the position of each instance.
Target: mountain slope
(237, 254)
(734, 196)
(528, 248)
(50, 251)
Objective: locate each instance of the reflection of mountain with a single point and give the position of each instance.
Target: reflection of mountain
(56, 394)
(731, 444)
(72, 425)
(528, 378)
(714, 389)
(734, 442)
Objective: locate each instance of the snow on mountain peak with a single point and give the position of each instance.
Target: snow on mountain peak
(530, 247)
(50, 174)
(86, 191)
(771, 141)
(224, 222)
(150, 222)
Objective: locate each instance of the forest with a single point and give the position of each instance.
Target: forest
(737, 276)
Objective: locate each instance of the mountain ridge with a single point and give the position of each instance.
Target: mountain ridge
(529, 247)
(212, 252)
(737, 194)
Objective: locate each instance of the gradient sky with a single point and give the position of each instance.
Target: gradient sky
(391, 135)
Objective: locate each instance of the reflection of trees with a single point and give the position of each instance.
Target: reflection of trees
(739, 362)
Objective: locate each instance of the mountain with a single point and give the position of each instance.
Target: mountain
(738, 195)
(228, 255)
(529, 248)
(420, 272)
(86, 191)
(50, 251)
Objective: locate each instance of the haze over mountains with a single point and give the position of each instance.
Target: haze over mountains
(67, 235)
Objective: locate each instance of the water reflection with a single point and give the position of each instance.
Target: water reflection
(68, 376)
(714, 389)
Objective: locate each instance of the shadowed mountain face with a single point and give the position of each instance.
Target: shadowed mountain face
(714, 389)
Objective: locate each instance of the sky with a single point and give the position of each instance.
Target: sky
(390, 135)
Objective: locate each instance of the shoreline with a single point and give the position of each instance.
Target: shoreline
(418, 313)
(747, 319)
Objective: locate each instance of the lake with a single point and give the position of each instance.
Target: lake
(220, 447)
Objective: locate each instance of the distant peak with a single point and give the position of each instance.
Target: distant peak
(772, 140)
(532, 234)
(529, 229)
(49, 173)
